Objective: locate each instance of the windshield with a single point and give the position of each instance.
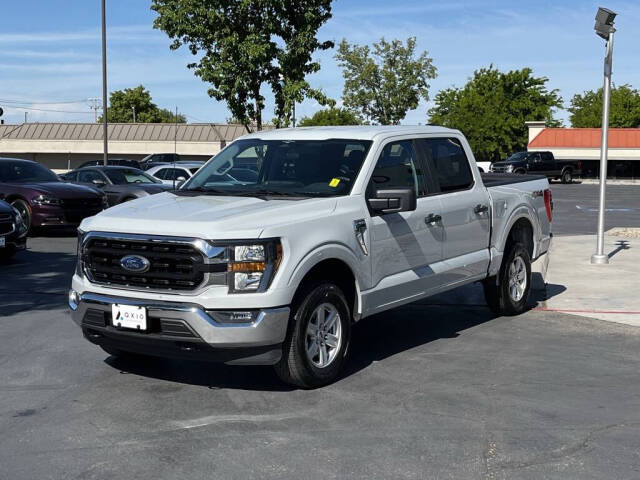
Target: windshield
(518, 156)
(123, 176)
(23, 172)
(314, 168)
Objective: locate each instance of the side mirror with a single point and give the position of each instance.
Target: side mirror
(393, 200)
(181, 179)
(98, 183)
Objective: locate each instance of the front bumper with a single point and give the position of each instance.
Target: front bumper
(183, 330)
(55, 216)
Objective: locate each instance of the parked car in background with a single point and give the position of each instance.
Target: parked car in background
(112, 161)
(541, 163)
(343, 223)
(13, 231)
(484, 167)
(158, 159)
(171, 173)
(43, 199)
(120, 184)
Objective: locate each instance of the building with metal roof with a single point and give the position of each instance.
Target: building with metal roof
(62, 146)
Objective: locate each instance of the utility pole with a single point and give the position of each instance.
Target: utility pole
(104, 85)
(175, 147)
(604, 28)
(25, 117)
(134, 113)
(94, 107)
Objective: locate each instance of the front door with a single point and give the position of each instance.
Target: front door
(404, 245)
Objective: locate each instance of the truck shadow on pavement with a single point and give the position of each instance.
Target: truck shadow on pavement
(374, 339)
(35, 280)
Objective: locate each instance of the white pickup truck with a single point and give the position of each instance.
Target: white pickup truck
(340, 223)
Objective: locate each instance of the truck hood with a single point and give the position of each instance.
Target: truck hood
(206, 216)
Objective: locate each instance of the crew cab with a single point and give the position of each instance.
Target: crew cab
(340, 223)
(540, 163)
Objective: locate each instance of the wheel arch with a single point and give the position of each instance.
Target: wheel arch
(334, 263)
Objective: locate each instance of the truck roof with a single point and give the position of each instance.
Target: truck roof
(365, 132)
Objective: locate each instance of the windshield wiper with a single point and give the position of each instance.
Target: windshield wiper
(266, 192)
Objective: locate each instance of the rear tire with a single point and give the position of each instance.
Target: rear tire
(567, 176)
(318, 337)
(509, 296)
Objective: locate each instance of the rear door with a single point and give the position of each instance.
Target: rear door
(465, 209)
(405, 245)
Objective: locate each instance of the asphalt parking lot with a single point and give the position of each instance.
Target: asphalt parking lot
(433, 390)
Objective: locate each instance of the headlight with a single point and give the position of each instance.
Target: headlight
(79, 260)
(19, 221)
(252, 266)
(509, 168)
(45, 200)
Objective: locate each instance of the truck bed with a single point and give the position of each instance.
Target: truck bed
(501, 179)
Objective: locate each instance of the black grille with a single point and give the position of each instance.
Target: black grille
(76, 209)
(163, 326)
(6, 224)
(172, 266)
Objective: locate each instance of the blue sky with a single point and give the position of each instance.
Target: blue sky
(50, 51)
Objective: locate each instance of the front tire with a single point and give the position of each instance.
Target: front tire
(567, 176)
(318, 337)
(508, 294)
(25, 211)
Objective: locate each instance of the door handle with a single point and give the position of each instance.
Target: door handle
(432, 219)
(480, 209)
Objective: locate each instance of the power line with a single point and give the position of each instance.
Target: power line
(46, 110)
(34, 102)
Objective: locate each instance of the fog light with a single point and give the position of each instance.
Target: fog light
(74, 299)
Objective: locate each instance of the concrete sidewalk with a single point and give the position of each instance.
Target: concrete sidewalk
(607, 292)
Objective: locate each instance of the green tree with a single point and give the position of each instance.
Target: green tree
(122, 103)
(492, 107)
(586, 108)
(245, 45)
(331, 116)
(384, 83)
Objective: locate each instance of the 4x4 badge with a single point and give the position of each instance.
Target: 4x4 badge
(359, 227)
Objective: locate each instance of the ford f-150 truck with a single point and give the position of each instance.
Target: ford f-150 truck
(339, 224)
(540, 163)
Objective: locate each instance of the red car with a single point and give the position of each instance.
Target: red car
(42, 198)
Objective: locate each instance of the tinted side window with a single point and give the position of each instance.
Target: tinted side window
(547, 157)
(161, 174)
(89, 176)
(398, 167)
(449, 163)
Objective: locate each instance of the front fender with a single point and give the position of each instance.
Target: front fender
(330, 251)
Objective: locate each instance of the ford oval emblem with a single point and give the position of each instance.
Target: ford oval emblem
(135, 263)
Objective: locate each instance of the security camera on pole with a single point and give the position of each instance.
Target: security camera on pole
(604, 28)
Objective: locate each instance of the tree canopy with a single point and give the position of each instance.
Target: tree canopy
(586, 108)
(492, 107)
(245, 45)
(384, 83)
(331, 116)
(122, 103)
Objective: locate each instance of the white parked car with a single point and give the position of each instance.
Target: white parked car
(339, 223)
(175, 172)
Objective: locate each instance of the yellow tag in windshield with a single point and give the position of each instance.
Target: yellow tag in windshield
(334, 182)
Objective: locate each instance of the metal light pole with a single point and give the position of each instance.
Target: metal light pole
(604, 28)
(104, 85)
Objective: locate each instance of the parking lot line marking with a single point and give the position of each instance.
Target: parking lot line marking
(562, 310)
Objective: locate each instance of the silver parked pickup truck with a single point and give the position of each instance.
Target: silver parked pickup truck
(338, 223)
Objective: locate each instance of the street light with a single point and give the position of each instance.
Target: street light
(104, 85)
(604, 28)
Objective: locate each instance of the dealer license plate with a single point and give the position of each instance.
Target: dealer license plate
(129, 316)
